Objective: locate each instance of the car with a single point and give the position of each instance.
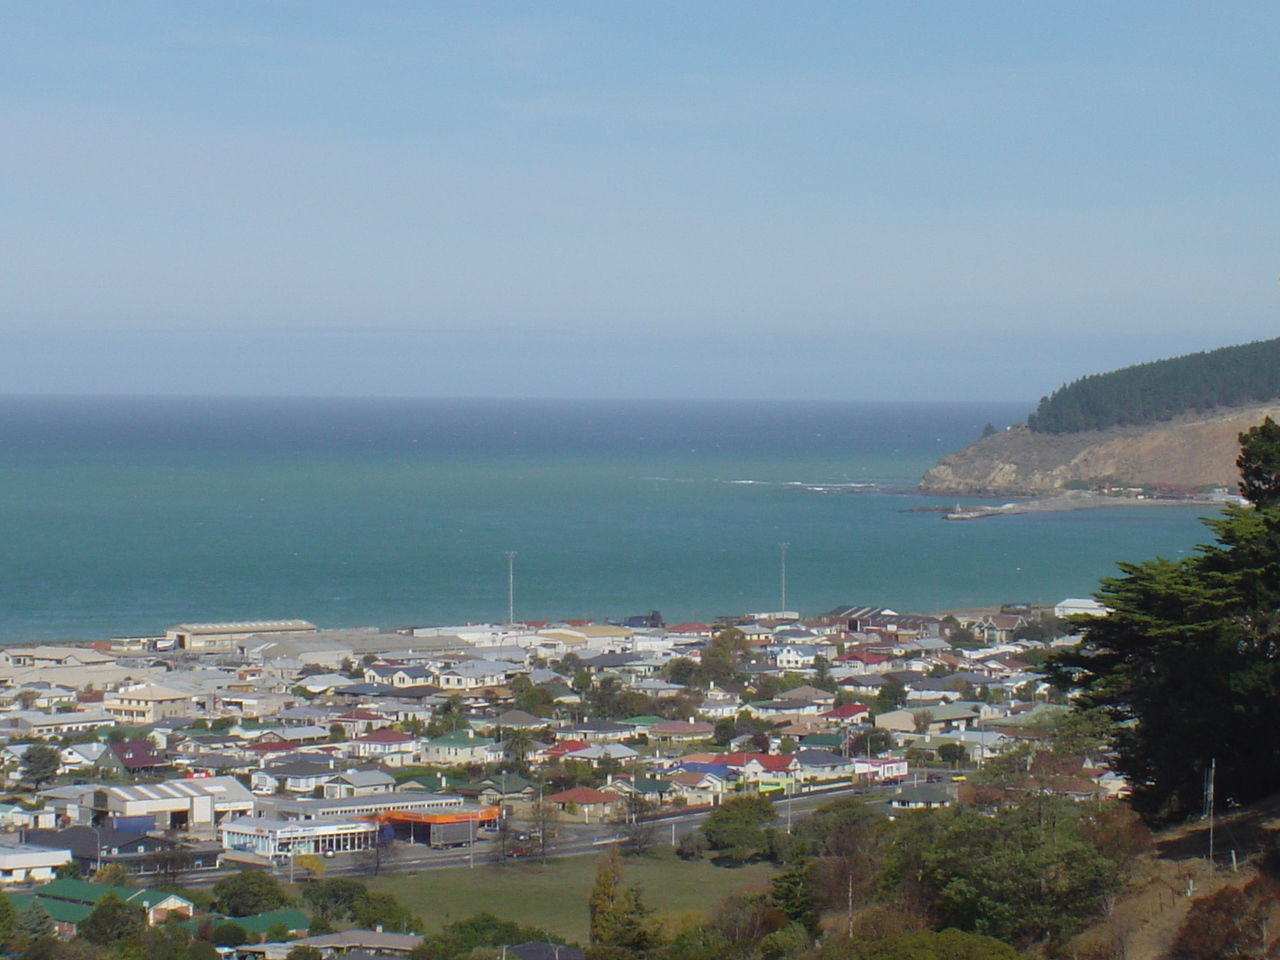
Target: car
(933, 778)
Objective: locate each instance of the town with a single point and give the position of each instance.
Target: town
(280, 747)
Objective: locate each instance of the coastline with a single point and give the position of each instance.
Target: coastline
(1065, 502)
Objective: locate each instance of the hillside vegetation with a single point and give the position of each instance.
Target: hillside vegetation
(1163, 389)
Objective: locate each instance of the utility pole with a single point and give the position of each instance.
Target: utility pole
(1208, 803)
(511, 587)
(782, 572)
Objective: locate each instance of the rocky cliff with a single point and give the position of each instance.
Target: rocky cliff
(1192, 451)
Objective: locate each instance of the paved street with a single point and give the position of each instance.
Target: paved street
(580, 839)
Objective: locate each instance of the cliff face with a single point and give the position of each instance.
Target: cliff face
(1191, 451)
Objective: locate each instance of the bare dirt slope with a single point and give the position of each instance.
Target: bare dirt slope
(1145, 918)
(1197, 451)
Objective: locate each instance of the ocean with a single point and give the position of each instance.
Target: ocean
(125, 516)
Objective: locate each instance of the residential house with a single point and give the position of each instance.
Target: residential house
(54, 656)
(295, 775)
(356, 722)
(922, 797)
(129, 759)
(703, 787)
(584, 805)
(796, 656)
(148, 703)
(474, 675)
(389, 747)
(359, 783)
(680, 731)
(499, 788)
(460, 746)
(157, 905)
(814, 764)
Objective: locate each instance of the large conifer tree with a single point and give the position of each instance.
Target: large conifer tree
(617, 914)
(1188, 662)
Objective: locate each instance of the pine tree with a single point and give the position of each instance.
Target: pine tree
(616, 911)
(8, 922)
(34, 922)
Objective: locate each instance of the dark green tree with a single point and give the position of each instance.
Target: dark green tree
(248, 892)
(111, 921)
(40, 764)
(616, 912)
(923, 945)
(33, 921)
(1259, 464)
(334, 898)
(1187, 663)
(230, 935)
(736, 827)
(382, 909)
(459, 938)
(793, 893)
(974, 871)
(892, 695)
(8, 922)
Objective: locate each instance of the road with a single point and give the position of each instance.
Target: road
(581, 839)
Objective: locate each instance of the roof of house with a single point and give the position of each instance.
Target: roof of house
(365, 778)
(299, 768)
(819, 758)
(682, 726)
(769, 761)
(353, 939)
(137, 754)
(582, 796)
(502, 782)
(291, 920)
(460, 738)
(541, 950)
(271, 745)
(90, 842)
(62, 911)
(75, 890)
(846, 711)
(385, 735)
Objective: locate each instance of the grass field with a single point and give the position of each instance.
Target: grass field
(554, 897)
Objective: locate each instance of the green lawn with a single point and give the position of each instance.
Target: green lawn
(554, 897)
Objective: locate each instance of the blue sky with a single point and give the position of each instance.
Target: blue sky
(795, 200)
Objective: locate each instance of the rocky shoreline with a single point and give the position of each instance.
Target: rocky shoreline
(1060, 503)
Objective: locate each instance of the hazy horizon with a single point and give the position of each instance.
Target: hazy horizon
(844, 201)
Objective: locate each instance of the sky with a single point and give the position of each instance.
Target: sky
(791, 200)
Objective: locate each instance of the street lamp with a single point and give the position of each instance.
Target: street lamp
(782, 572)
(511, 587)
(97, 846)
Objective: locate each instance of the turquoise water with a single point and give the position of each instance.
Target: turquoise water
(126, 516)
